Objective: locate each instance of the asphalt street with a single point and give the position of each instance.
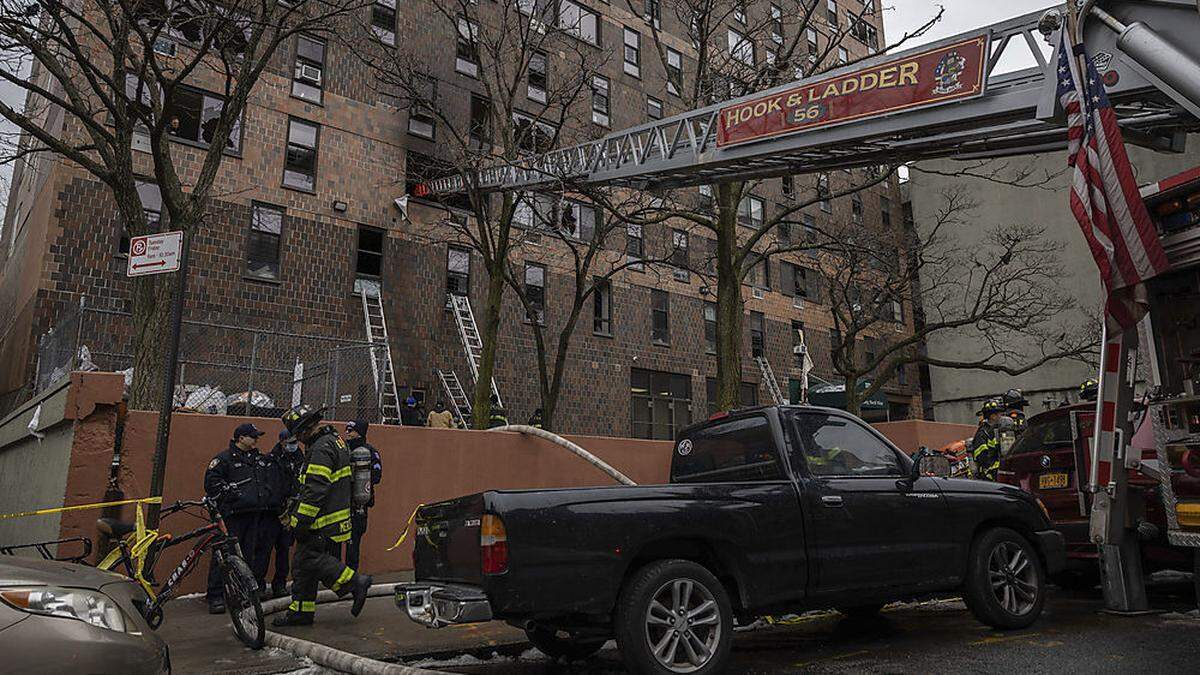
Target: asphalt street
(1073, 635)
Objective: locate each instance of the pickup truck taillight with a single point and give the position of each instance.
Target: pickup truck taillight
(493, 544)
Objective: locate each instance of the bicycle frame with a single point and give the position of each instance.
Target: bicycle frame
(214, 535)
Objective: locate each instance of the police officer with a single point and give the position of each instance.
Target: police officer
(319, 516)
(356, 437)
(498, 417)
(985, 446)
(288, 463)
(243, 508)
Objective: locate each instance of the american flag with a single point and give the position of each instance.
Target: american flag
(1104, 192)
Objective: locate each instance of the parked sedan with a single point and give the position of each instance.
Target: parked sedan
(58, 617)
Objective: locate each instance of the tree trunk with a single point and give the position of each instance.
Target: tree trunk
(481, 405)
(151, 321)
(151, 325)
(729, 300)
(550, 394)
(853, 403)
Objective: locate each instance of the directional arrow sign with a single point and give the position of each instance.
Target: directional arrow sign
(154, 253)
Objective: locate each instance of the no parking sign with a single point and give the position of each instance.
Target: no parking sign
(154, 253)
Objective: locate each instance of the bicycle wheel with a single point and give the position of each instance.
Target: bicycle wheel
(241, 601)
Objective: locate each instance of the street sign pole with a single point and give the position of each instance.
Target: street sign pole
(164, 411)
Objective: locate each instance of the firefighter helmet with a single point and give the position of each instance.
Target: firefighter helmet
(300, 418)
(1089, 390)
(1014, 399)
(991, 406)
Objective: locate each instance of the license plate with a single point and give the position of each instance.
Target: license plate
(1052, 480)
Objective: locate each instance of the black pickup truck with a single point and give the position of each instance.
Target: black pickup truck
(769, 510)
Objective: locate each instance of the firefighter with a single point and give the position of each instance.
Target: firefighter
(535, 420)
(320, 517)
(1014, 408)
(1089, 390)
(498, 417)
(985, 446)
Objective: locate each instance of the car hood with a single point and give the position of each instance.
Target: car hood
(972, 486)
(15, 571)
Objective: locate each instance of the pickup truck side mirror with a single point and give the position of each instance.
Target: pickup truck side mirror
(929, 463)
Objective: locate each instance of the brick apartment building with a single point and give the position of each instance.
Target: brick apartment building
(285, 246)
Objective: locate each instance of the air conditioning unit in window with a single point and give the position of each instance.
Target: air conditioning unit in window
(797, 302)
(310, 74)
(758, 293)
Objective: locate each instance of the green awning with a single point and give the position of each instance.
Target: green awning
(834, 396)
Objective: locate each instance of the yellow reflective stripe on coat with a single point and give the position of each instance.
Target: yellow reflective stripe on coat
(318, 470)
(341, 473)
(307, 510)
(340, 538)
(330, 519)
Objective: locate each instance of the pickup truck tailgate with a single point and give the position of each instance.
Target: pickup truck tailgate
(447, 541)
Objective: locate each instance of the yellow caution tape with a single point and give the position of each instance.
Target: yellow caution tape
(407, 527)
(81, 507)
(137, 543)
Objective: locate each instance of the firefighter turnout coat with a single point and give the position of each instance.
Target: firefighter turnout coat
(324, 500)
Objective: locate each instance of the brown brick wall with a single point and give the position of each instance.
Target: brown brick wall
(361, 162)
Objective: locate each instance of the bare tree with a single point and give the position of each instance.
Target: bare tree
(583, 234)
(1006, 292)
(526, 101)
(104, 78)
(742, 47)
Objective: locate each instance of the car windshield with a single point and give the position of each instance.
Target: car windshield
(1043, 432)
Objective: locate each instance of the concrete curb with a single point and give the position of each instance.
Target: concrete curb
(331, 658)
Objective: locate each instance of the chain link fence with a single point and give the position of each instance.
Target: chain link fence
(225, 369)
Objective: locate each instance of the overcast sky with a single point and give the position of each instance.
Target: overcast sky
(902, 16)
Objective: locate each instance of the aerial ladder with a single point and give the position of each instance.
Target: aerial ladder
(1145, 51)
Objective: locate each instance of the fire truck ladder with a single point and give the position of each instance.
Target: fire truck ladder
(460, 403)
(1155, 56)
(768, 378)
(381, 354)
(469, 334)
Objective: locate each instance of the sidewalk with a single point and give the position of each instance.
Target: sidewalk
(203, 643)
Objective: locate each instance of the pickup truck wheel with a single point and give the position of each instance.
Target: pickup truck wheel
(551, 644)
(1005, 584)
(674, 616)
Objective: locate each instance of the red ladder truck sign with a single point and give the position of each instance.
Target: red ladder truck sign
(949, 73)
(154, 253)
